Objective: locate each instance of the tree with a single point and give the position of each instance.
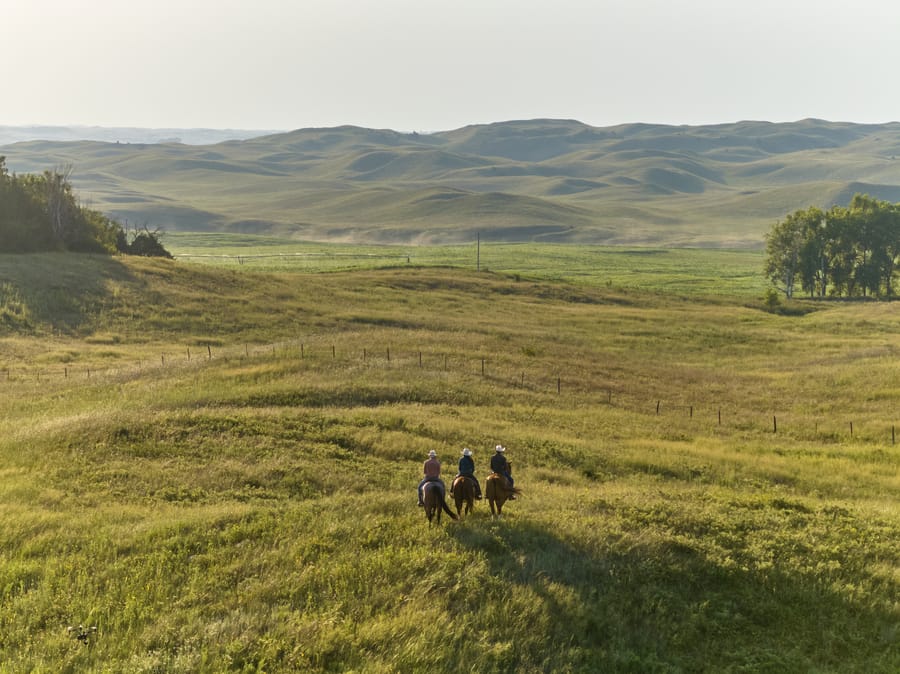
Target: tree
(850, 250)
(783, 247)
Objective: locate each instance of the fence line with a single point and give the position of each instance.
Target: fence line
(328, 351)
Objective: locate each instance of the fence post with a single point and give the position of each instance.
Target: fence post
(420, 359)
(657, 408)
(774, 424)
(851, 429)
(209, 352)
(189, 354)
(558, 386)
(332, 351)
(692, 412)
(893, 437)
(720, 416)
(482, 367)
(389, 354)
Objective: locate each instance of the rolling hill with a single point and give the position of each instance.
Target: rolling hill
(535, 180)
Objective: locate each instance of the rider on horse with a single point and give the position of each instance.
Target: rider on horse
(467, 469)
(500, 465)
(432, 470)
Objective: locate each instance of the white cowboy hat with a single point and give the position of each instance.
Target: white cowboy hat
(432, 453)
(500, 448)
(466, 451)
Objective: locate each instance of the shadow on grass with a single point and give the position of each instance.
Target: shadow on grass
(660, 605)
(58, 291)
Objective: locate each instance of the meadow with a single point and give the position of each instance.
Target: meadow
(209, 465)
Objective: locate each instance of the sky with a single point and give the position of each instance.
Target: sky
(434, 65)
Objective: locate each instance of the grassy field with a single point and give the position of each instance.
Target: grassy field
(210, 467)
(686, 271)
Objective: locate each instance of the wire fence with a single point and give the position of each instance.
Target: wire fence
(583, 389)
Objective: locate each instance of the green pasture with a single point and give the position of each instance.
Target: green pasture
(674, 270)
(211, 466)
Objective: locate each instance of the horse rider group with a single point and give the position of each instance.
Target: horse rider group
(432, 470)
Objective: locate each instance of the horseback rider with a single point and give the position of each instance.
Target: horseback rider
(467, 469)
(432, 470)
(500, 465)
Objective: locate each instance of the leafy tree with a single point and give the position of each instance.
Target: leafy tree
(40, 212)
(783, 245)
(850, 250)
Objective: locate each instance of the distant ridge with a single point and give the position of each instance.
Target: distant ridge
(18, 134)
(524, 180)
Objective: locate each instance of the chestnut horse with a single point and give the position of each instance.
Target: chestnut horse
(497, 491)
(433, 496)
(463, 491)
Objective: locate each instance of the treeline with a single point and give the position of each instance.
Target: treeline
(40, 212)
(846, 251)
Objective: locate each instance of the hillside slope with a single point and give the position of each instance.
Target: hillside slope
(206, 470)
(548, 180)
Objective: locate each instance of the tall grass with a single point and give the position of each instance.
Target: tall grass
(254, 510)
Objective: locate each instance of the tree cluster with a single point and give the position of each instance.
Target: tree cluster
(39, 212)
(847, 251)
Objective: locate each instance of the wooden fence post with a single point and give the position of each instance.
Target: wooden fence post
(774, 424)
(657, 408)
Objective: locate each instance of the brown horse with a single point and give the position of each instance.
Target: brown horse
(497, 491)
(463, 491)
(433, 496)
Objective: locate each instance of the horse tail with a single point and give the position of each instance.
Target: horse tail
(446, 507)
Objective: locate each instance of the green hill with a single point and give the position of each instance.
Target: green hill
(558, 176)
(207, 470)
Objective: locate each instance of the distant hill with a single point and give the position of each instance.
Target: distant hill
(18, 134)
(532, 180)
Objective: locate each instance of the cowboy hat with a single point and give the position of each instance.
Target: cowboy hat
(500, 448)
(432, 453)
(466, 451)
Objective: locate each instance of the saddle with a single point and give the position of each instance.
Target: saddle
(502, 478)
(457, 480)
(440, 485)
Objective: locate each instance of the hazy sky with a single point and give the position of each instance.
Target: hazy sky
(424, 65)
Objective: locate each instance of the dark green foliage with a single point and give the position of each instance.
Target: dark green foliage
(145, 244)
(39, 213)
(845, 251)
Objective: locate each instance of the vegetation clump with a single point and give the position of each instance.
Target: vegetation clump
(845, 251)
(40, 213)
